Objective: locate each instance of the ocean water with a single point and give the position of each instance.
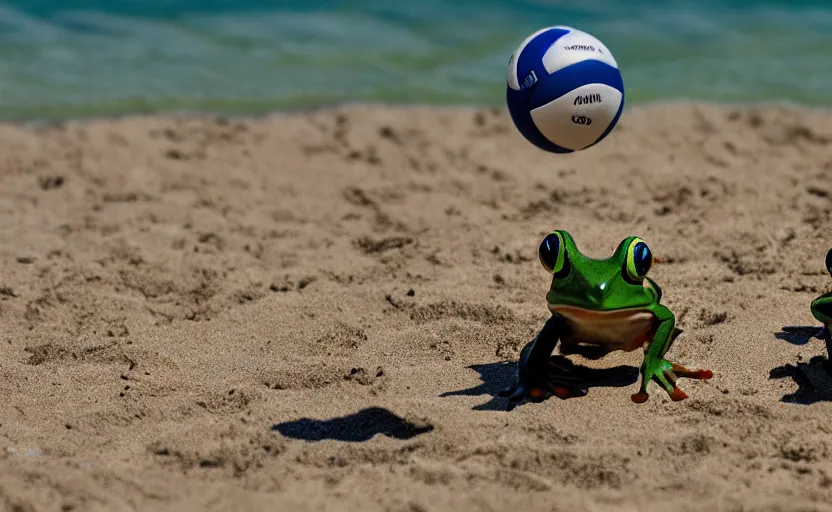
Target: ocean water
(76, 58)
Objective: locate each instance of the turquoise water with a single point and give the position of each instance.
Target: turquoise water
(73, 58)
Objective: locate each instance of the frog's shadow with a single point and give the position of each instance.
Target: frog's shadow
(814, 378)
(798, 334)
(496, 377)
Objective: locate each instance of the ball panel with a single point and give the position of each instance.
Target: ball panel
(518, 108)
(576, 46)
(570, 78)
(526, 67)
(511, 79)
(613, 123)
(577, 119)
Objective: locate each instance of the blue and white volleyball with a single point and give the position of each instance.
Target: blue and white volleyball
(565, 91)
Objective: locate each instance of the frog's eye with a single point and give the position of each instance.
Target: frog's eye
(639, 260)
(829, 261)
(552, 253)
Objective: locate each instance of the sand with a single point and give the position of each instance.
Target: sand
(315, 312)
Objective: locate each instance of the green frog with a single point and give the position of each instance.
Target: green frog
(822, 309)
(599, 306)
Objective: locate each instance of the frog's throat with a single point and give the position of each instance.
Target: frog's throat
(620, 327)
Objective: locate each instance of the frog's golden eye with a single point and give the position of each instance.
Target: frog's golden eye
(639, 260)
(552, 253)
(829, 261)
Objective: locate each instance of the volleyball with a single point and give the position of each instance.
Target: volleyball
(564, 89)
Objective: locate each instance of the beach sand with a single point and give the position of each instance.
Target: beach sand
(315, 311)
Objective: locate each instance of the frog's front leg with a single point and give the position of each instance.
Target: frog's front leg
(656, 367)
(536, 378)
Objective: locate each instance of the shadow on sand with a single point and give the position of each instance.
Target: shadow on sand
(813, 379)
(358, 427)
(496, 377)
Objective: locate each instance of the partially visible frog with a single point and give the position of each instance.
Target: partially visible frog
(822, 309)
(609, 304)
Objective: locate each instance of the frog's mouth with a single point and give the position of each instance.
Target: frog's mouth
(611, 327)
(579, 312)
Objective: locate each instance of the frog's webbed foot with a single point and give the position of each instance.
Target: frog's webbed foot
(657, 368)
(666, 374)
(538, 377)
(538, 386)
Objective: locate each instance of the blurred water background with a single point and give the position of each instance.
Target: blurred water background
(78, 58)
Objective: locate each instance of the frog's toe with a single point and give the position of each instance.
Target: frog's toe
(677, 395)
(681, 371)
(673, 390)
(673, 372)
(640, 397)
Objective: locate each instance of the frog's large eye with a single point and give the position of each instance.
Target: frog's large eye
(552, 253)
(829, 261)
(639, 260)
